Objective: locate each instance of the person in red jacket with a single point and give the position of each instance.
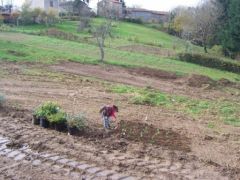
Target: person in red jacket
(107, 112)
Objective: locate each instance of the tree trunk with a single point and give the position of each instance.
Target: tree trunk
(102, 54)
(205, 49)
(101, 47)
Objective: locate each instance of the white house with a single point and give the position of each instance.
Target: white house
(45, 4)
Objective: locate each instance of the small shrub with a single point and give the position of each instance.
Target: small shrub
(4, 28)
(77, 121)
(47, 109)
(58, 118)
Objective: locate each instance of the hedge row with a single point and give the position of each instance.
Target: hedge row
(212, 62)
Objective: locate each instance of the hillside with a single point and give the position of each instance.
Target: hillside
(176, 120)
(144, 47)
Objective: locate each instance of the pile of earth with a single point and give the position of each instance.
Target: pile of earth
(153, 73)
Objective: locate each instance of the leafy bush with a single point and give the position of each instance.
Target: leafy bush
(4, 28)
(58, 118)
(33, 16)
(77, 121)
(132, 20)
(212, 62)
(47, 109)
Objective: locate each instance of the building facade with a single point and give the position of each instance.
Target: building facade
(147, 15)
(45, 4)
(110, 8)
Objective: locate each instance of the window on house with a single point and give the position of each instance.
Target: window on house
(51, 3)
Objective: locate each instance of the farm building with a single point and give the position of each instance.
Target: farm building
(111, 7)
(146, 15)
(70, 7)
(45, 4)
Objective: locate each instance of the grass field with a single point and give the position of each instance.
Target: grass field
(23, 47)
(225, 111)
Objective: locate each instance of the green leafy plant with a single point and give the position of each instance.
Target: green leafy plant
(76, 121)
(58, 118)
(47, 109)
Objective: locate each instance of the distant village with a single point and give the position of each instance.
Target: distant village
(121, 11)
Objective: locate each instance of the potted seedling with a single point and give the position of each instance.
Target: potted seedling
(76, 124)
(44, 111)
(35, 119)
(58, 120)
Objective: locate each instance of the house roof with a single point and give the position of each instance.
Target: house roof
(114, 1)
(146, 10)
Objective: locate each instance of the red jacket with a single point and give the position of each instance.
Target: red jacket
(108, 111)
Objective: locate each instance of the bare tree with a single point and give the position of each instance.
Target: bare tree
(101, 33)
(201, 25)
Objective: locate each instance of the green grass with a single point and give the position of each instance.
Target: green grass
(227, 112)
(125, 34)
(50, 50)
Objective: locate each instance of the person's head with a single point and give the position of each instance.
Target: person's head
(115, 108)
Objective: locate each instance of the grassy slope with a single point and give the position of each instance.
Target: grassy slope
(49, 50)
(222, 110)
(23, 47)
(127, 33)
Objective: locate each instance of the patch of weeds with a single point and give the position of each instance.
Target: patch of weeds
(230, 113)
(150, 98)
(232, 121)
(121, 89)
(211, 125)
(196, 107)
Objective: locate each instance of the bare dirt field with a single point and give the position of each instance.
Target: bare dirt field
(184, 149)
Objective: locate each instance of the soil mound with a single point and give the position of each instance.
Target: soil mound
(226, 82)
(6, 111)
(199, 81)
(145, 133)
(153, 73)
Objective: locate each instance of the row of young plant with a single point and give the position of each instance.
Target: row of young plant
(51, 115)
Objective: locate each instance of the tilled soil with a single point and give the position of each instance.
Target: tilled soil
(101, 152)
(192, 86)
(186, 149)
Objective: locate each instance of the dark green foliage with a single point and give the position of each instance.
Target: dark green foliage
(136, 21)
(58, 118)
(230, 35)
(46, 110)
(212, 62)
